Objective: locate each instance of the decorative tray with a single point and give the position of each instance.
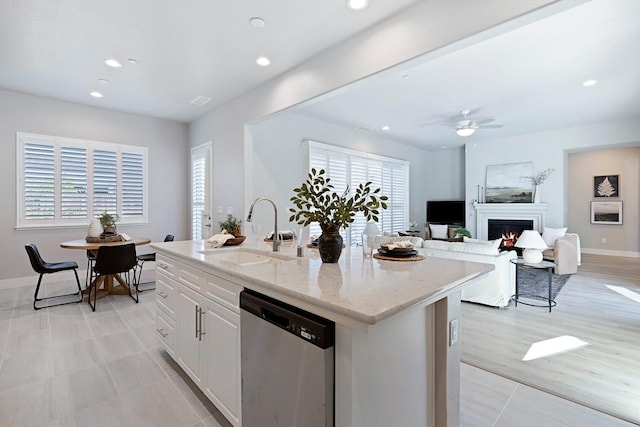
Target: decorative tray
(235, 241)
(104, 239)
(416, 257)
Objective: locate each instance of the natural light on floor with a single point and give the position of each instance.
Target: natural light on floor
(553, 346)
(625, 292)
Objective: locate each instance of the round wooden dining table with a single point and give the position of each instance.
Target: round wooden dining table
(113, 283)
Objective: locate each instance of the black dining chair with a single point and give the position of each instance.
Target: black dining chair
(42, 267)
(113, 260)
(91, 260)
(151, 257)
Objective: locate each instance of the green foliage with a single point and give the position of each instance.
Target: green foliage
(461, 232)
(315, 201)
(108, 219)
(230, 224)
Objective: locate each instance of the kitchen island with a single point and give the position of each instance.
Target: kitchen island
(396, 324)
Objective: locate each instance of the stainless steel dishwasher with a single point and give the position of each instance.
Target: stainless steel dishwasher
(287, 364)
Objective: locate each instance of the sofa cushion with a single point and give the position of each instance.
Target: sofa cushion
(493, 243)
(550, 235)
(439, 231)
(469, 248)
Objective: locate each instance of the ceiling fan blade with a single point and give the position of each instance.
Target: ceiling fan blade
(490, 126)
(484, 121)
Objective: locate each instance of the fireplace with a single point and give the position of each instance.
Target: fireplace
(534, 212)
(508, 230)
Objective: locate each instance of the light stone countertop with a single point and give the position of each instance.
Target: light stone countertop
(364, 290)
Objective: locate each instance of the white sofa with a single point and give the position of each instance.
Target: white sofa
(494, 289)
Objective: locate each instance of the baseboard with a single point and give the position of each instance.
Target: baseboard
(609, 252)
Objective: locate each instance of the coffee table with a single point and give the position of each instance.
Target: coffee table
(549, 266)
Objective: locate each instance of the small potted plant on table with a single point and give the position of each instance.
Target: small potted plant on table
(108, 222)
(231, 225)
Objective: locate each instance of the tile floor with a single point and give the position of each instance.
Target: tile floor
(69, 367)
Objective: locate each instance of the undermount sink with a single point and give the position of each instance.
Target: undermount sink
(245, 256)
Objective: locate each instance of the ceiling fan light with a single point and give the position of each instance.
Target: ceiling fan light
(465, 131)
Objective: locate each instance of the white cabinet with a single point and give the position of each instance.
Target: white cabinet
(189, 313)
(199, 324)
(222, 363)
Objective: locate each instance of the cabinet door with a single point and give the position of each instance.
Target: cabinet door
(222, 364)
(189, 345)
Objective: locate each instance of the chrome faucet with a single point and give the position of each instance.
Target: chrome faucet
(276, 237)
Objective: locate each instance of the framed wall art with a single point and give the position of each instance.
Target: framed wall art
(505, 183)
(606, 212)
(606, 186)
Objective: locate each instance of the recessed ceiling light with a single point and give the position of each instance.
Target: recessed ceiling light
(257, 22)
(406, 76)
(103, 81)
(113, 63)
(385, 128)
(590, 82)
(96, 94)
(443, 146)
(357, 4)
(132, 61)
(263, 61)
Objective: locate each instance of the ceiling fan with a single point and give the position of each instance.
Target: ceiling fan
(465, 126)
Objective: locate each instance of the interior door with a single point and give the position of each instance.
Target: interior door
(201, 187)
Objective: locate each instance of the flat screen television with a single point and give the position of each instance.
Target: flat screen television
(446, 212)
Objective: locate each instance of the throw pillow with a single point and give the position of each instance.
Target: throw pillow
(438, 231)
(550, 235)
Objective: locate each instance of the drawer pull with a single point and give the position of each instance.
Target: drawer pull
(163, 266)
(160, 294)
(164, 335)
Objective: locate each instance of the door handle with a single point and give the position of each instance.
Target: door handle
(201, 333)
(197, 311)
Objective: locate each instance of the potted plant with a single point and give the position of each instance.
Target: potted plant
(108, 222)
(231, 225)
(316, 201)
(461, 232)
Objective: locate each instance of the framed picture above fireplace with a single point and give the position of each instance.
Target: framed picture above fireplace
(606, 212)
(505, 183)
(606, 186)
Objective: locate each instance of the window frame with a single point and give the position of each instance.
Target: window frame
(24, 138)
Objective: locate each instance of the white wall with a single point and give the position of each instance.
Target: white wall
(582, 167)
(546, 150)
(414, 32)
(279, 156)
(168, 172)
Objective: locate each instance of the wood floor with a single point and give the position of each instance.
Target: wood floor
(592, 338)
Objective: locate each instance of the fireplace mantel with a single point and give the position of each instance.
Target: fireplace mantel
(531, 211)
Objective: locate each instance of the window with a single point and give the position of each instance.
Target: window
(66, 182)
(349, 167)
(201, 159)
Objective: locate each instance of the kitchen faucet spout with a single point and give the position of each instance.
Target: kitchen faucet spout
(276, 237)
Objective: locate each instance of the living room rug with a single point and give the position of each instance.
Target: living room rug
(534, 281)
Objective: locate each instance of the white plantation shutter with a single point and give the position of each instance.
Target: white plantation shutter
(105, 182)
(354, 168)
(39, 181)
(64, 181)
(198, 198)
(73, 189)
(132, 185)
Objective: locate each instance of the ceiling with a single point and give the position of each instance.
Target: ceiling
(528, 79)
(183, 50)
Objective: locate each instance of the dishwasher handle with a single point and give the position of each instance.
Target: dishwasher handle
(277, 320)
